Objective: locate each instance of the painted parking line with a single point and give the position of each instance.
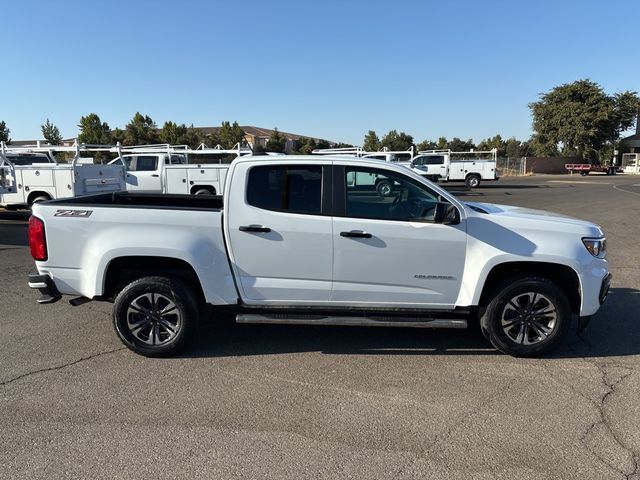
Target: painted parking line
(579, 181)
(627, 191)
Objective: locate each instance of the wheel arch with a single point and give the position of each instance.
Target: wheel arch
(565, 277)
(195, 188)
(121, 271)
(37, 193)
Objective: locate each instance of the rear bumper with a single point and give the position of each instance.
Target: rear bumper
(44, 284)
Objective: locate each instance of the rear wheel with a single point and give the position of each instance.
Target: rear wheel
(472, 180)
(38, 199)
(527, 317)
(154, 316)
(204, 191)
(384, 188)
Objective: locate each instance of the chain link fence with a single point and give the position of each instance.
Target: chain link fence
(511, 167)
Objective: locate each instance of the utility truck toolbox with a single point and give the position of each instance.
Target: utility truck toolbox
(317, 240)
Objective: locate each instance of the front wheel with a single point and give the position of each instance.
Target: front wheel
(528, 317)
(154, 316)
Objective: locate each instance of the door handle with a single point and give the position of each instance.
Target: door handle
(355, 234)
(254, 228)
(155, 175)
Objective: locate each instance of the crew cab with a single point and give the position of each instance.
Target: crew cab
(310, 240)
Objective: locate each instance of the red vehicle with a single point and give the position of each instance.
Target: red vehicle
(587, 168)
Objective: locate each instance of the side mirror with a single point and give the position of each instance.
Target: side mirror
(447, 214)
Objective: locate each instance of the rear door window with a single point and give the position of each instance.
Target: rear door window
(145, 163)
(286, 188)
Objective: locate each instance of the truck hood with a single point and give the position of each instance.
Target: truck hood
(530, 215)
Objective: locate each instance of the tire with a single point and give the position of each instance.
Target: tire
(584, 173)
(384, 188)
(161, 335)
(519, 331)
(472, 181)
(39, 198)
(204, 191)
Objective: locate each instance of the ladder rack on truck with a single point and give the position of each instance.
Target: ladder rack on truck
(401, 157)
(30, 174)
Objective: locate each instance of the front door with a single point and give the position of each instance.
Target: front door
(279, 233)
(387, 248)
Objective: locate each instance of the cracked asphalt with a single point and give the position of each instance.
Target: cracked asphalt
(280, 402)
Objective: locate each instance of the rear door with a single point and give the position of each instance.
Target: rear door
(279, 233)
(143, 174)
(387, 248)
(7, 177)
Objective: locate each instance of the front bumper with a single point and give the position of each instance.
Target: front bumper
(583, 321)
(44, 284)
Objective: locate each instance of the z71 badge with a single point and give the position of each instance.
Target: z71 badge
(73, 213)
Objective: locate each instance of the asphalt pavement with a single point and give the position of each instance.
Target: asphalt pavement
(297, 402)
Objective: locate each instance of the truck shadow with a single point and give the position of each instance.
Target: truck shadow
(13, 235)
(614, 331)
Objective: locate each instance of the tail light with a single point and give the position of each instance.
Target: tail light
(37, 239)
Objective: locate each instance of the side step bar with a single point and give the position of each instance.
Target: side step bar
(284, 319)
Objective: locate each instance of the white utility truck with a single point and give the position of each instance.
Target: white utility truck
(309, 240)
(631, 163)
(30, 174)
(177, 169)
(445, 165)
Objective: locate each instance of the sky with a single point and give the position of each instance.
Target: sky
(330, 69)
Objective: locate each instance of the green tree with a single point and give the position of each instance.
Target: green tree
(93, 131)
(323, 143)
(458, 145)
(396, 141)
(141, 130)
(229, 135)
(427, 145)
(277, 142)
(176, 134)
(542, 146)
(4, 133)
(172, 133)
(443, 143)
(304, 146)
(51, 133)
(117, 135)
(494, 142)
(581, 118)
(513, 148)
(371, 142)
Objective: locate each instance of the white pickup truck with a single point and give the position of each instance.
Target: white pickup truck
(27, 178)
(309, 240)
(449, 166)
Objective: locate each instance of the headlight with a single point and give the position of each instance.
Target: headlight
(596, 246)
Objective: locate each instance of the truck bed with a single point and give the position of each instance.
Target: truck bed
(145, 200)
